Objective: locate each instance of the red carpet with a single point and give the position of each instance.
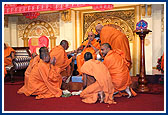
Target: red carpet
(142, 102)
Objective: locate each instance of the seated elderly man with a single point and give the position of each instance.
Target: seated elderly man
(97, 81)
(9, 55)
(91, 45)
(44, 80)
(115, 61)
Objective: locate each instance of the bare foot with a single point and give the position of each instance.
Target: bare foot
(101, 96)
(128, 91)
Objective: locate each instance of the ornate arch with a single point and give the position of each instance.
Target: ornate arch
(116, 22)
(47, 28)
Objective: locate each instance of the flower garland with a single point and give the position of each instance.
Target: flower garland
(159, 62)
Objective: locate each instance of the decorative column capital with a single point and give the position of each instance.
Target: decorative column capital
(25, 38)
(66, 15)
(52, 38)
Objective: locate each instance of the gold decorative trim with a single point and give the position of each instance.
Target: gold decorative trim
(162, 19)
(66, 15)
(37, 25)
(123, 18)
(154, 68)
(50, 27)
(5, 21)
(135, 41)
(143, 10)
(149, 9)
(81, 26)
(136, 44)
(75, 30)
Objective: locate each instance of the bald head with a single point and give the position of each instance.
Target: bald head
(107, 45)
(88, 56)
(105, 48)
(64, 44)
(98, 28)
(44, 54)
(90, 33)
(91, 36)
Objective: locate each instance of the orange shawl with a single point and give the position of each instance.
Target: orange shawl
(7, 59)
(33, 62)
(44, 81)
(90, 49)
(103, 82)
(62, 60)
(118, 67)
(80, 58)
(117, 40)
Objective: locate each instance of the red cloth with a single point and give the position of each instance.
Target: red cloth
(43, 41)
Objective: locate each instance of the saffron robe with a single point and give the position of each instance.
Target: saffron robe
(117, 65)
(7, 58)
(44, 81)
(80, 58)
(34, 61)
(117, 40)
(103, 82)
(62, 60)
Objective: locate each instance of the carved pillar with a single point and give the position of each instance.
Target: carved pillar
(25, 42)
(143, 10)
(149, 9)
(66, 15)
(142, 82)
(52, 42)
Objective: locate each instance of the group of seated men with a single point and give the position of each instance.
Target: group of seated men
(101, 79)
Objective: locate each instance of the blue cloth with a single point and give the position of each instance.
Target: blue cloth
(77, 79)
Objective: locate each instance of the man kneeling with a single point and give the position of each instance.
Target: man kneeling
(45, 79)
(97, 81)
